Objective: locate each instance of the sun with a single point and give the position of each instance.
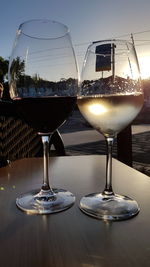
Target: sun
(144, 63)
(97, 109)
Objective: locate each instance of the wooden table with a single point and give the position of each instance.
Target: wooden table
(71, 238)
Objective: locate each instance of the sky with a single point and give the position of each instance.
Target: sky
(88, 20)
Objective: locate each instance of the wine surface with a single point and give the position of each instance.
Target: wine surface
(109, 114)
(45, 114)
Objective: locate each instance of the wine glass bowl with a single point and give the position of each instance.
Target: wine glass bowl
(43, 81)
(110, 97)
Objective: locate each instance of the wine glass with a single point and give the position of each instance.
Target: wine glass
(110, 97)
(43, 81)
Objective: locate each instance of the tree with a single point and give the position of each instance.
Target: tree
(17, 68)
(3, 69)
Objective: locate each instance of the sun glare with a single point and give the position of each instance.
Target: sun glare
(97, 109)
(144, 63)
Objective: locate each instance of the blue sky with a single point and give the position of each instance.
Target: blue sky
(88, 20)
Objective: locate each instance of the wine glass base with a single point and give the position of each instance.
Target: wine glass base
(40, 202)
(112, 207)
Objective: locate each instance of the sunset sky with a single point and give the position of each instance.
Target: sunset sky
(88, 20)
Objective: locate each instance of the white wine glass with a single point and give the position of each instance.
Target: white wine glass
(110, 97)
(43, 81)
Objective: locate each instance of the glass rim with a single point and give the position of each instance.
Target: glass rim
(20, 30)
(107, 41)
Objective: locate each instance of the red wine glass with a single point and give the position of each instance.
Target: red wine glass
(43, 81)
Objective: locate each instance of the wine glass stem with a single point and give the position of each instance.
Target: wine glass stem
(108, 187)
(45, 185)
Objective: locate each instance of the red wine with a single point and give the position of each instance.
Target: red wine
(45, 114)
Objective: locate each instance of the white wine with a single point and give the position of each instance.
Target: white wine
(109, 114)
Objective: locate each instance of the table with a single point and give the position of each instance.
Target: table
(71, 238)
